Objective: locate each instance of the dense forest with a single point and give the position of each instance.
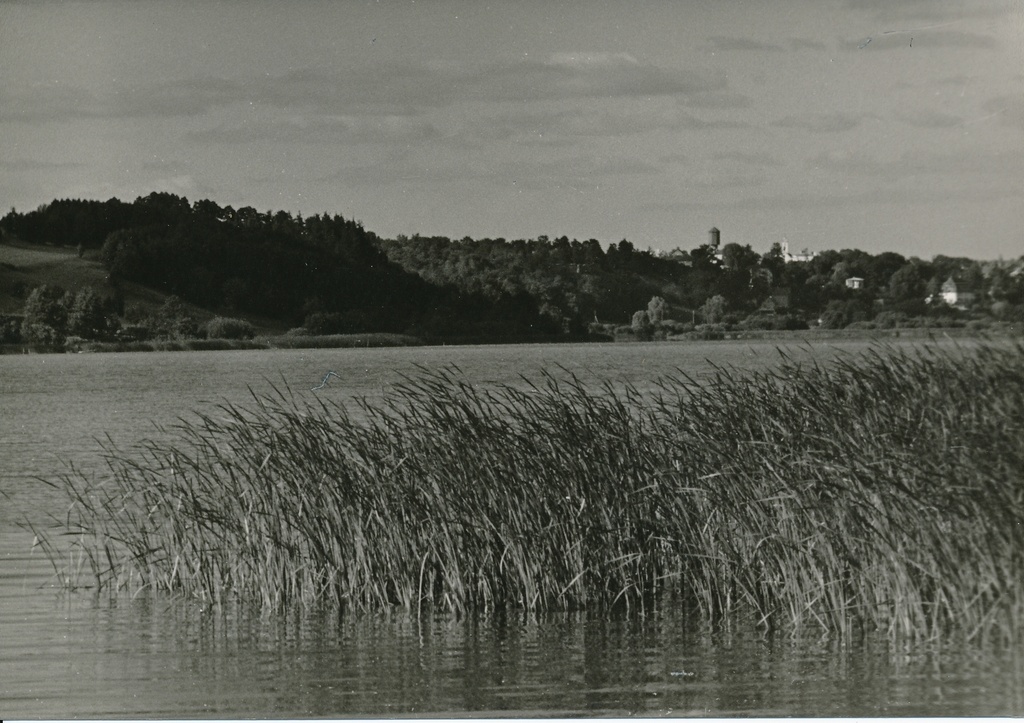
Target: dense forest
(326, 274)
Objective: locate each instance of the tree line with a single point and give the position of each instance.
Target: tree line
(327, 274)
(580, 284)
(324, 272)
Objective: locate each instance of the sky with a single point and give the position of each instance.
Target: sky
(833, 124)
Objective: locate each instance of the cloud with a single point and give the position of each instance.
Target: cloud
(1009, 109)
(60, 102)
(127, 189)
(823, 122)
(923, 39)
(806, 44)
(591, 59)
(817, 202)
(759, 158)
(589, 166)
(882, 196)
(952, 39)
(915, 163)
(543, 171)
(724, 43)
(616, 122)
(27, 165)
(42, 102)
(181, 185)
(717, 100)
(930, 23)
(727, 181)
(925, 12)
(320, 130)
(575, 172)
(389, 88)
(582, 75)
(929, 119)
(522, 126)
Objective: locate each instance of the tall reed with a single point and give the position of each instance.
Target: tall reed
(884, 490)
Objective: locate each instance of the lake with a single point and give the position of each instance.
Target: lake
(68, 654)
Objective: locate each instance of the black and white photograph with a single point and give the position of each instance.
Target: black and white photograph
(521, 359)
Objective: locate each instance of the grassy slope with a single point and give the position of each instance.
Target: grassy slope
(24, 267)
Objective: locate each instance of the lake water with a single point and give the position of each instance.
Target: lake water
(69, 655)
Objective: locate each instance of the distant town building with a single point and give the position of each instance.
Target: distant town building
(804, 255)
(715, 242)
(678, 255)
(855, 282)
(953, 296)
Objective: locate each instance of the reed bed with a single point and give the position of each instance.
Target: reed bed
(884, 491)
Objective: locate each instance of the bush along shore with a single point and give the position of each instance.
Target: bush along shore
(883, 491)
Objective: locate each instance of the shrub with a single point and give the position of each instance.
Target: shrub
(133, 332)
(709, 332)
(937, 322)
(1014, 313)
(173, 321)
(41, 335)
(641, 326)
(835, 316)
(788, 322)
(675, 327)
(890, 320)
(755, 321)
(656, 309)
(46, 316)
(601, 331)
(713, 309)
(342, 341)
(321, 322)
(10, 329)
(74, 343)
(86, 315)
(221, 327)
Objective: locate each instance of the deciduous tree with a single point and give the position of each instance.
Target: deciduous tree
(656, 309)
(713, 309)
(46, 316)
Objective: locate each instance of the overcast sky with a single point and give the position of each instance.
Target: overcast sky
(870, 124)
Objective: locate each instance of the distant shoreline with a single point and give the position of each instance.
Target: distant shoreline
(380, 339)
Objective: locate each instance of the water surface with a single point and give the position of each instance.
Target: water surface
(70, 654)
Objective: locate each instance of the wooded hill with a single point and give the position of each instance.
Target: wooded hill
(330, 275)
(324, 272)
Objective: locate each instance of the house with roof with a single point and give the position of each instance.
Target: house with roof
(954, 296)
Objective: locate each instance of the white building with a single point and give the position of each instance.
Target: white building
(804, 255)
(953, 296)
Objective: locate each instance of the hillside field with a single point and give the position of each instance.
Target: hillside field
(24, 267)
